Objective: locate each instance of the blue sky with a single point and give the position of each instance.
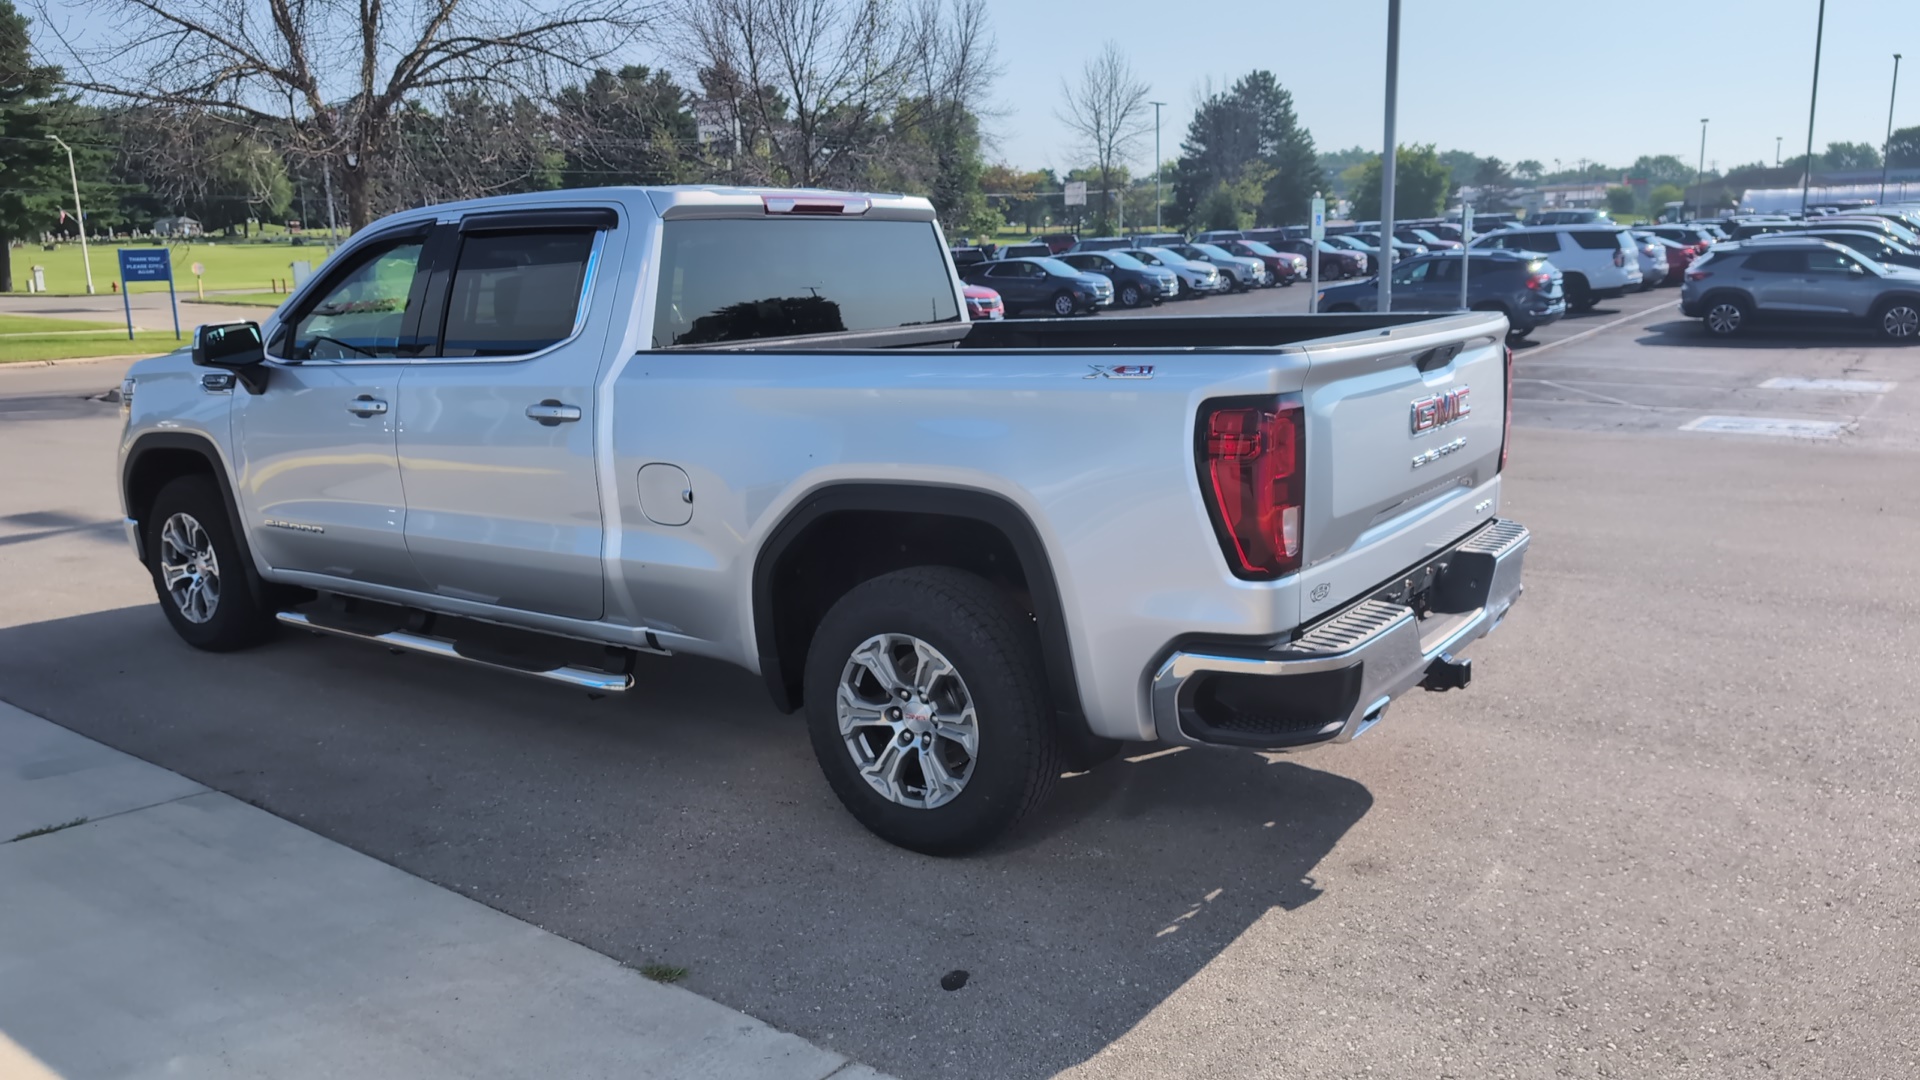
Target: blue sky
(1605, 80)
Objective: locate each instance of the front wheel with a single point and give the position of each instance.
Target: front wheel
(1900, 321)
(198, 571)
(1130, 296)
(928, 711)
(1063, 304)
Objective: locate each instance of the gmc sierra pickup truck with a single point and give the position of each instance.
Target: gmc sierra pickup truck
(547, 433)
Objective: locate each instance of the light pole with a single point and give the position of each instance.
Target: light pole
(1887, 147)
(1813, 100)
(79, 217)
(1699, 173)
(1156, 162)
(1776, 150)
(1387, 161)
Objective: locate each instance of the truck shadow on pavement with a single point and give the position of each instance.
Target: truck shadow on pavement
(687, 824)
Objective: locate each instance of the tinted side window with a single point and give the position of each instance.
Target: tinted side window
(1777, 262)
(1598, 239)
(1547, 242)
(515, 293)
(739, 279)
(1448, 270)
(1829, 262)
(361, 315)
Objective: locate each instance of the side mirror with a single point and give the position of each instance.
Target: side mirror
(236, 347)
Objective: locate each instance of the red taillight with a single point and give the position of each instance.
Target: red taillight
(1699, 275)
(814, 204)
(1619, 257)
(1540, 281)
(1251, 455)
(1506, 423)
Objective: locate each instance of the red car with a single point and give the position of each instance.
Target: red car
(1283, 267)
(983, 304)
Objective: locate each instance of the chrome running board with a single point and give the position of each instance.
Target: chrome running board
(599, 682)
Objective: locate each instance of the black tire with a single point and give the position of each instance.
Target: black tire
(1726, 316)
(1898, 321)
(1129, 295)
(1343, 309)
(995, 652)
(1517, 336)
(1063, 304)
(1579, 296)
(234, 619)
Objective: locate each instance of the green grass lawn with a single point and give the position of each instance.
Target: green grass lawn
(31, 337)
(250, 299)
(228, 266)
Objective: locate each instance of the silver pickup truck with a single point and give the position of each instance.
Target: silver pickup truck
(548, 433)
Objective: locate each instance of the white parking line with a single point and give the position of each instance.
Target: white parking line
(1767, 425)
(1608, 325)
(1841, 386)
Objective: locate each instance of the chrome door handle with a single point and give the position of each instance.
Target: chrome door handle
(551, 413)
(366, 406)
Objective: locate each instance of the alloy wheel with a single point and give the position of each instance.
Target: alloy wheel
(1724, 318)
(1063, 305)
(907, 720)
(1901, 321)
(189, 568)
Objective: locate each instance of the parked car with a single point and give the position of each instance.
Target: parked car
(1525, 288)
(968, 577)
(1892, 227)
(1799, 280)
(1195, 279)
(1283, 267)
(1336, 262)
(1042, 284)
(983, 303)
(1025, 251)
(1653, 260)
(970, 255)
(1215, 236)
(1401, 249)
(1059, 242)
(1100, 243)
(1369, 253)
(1141, 240)
(1569, 217)
(1425, 238)
(1874, 246)
(1134, 282)
(1599, 262)
(1679, 256)
(1241, 272)
(1695, 237)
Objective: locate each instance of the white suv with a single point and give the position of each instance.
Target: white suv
(1600, 261)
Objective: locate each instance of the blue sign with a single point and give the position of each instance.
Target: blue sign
(148, 264)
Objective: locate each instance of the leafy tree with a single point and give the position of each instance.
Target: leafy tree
(1621, 200)
(1336, 163)
(1021, 196)
(1661, 169)
(32, 168)
(1529, 170)
(1252, 121)
(1662, 194)
(1903, 149)
(1420, 185)
(1850, 155)
(633, 126)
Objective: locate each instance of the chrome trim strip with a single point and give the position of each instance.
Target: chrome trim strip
(1384, 639)
(597, 681)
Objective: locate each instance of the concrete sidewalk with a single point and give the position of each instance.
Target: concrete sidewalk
(180, 932)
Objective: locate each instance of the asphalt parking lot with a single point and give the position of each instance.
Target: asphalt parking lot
(1670, 831)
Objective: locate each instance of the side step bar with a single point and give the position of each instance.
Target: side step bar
(599, 682)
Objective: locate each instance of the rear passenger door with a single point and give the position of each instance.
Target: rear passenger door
(497, 414)
(1017, 283)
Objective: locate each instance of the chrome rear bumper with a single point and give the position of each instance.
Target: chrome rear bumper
(1336, 680)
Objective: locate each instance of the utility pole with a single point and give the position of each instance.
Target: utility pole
(1886, 148)
(1813, 100)
(79, 215)
(1699, 173)
(326, 173)
(1776, 150)
(1156, 162)
(1389, 159)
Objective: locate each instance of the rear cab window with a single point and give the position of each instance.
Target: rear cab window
(738, 279)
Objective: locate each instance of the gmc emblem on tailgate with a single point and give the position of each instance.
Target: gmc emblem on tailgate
(1440, 410)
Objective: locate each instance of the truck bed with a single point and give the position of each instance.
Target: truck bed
(1146, 333)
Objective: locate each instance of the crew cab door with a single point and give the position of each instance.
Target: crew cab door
(319, 480)
(496, 441)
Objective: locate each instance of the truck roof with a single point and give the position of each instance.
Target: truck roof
(697, 200)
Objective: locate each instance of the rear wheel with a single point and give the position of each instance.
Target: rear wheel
(1899, 321)
(1579, 296)
(203, 582)
(928, 711)
(1726, 316)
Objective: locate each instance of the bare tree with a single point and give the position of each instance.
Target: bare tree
(330, 80)
(1107, 113)
(812, 80)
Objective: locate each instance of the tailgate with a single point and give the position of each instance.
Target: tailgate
(1404, 433)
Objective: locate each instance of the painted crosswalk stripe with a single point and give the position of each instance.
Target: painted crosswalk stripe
(1832, 386)
(1767, 425)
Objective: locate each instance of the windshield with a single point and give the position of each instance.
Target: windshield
(1124, 261)
(1423, 236)
(1213, 251)
(1328, 245)
(1165, 257)
(1258, 248)
(1900, 232)
(1059, 269)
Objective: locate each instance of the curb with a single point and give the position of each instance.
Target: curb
(9, 365)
